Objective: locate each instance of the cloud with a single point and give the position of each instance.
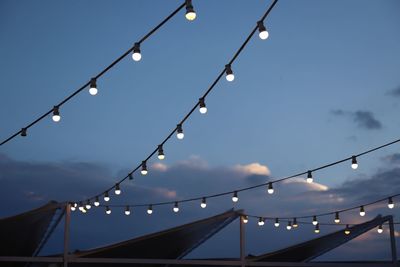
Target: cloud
(314, 186)
(158, 166)
(364, 119)
(395, 92)
(393, 159)
(252, 168)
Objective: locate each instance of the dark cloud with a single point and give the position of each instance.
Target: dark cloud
(393, 159)
(364, 119)
(395, 92)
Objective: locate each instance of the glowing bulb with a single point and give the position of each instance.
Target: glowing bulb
(337, 219)
(117, 189)
(56, 114)
(106, 197)
(263, 33)
(261, 221)
(354, 164)
(270, 188)
(179, 132)
(203, 203)
(347, 230)
(190, 13)
(289, 225)
(150, 209)
(276, 224)
(136, 56)
(93, 87)
(127, 211)
(96, 202)
(73, 208)
(235, 197)
(295, 225)
(88, 205)
(229, 73)
(390, 203)
(161, 154)
(309, 177)
(23, 132)
(245, 219)
(108, 211)
(316, 230)
(362, 211)
(380, 229)
(176, 207)
(84, 210)
(144, 168)
(314, 221)
(203, 108)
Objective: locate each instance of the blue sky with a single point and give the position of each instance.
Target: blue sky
(321, 88)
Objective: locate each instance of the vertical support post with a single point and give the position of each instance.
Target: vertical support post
(393, 242)
(242, 243)
(66, 232)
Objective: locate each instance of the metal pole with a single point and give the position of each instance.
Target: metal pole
(393, 242)
(242, 243)
(66, 232)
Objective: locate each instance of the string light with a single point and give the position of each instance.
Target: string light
(203, 108)
(261, 221)
(235, 197)
(314, 220)
(144, 168)
(88, 205)
(136, 56)
(245, 219)
(203, 203)
(270, 188)
(347, 230)
(80, 206)
(161, 155)
(150, 209)
(108, 210)
(276, 224)
(127, 211)
(106, 196)
(390, 203)
(263, 33)
(176, 207)
(309, 177)
(73, 208)
(337, 219)
(380, 229)
(93, 87)
(229, 73)
(362, 211)
(96, 202)
(117, 189)
(179, 132)
(295, 224)
(84, 210)
(289, 226)
(316, 230)
(190, 13)
(56, 114)
(354, 164)
(23, 132)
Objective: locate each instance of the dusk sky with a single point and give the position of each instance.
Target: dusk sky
(323, 86)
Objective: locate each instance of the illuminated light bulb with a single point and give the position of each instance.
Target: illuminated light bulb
(127, 211)
(190, 13)
(106, 197)
(380, 229)
(56, 114)
(289, 226)
(176, 207)
(276, 224)
(314, 220)
(263, 33)
(144, 168)
(203, 203)
(261, 221)
(347, 230)
(270, 188)
(316, 230)
(75, 205)
(309, 177)
(295, 225)
(354, 164)
(245, 219)
(93, 87)
(88, 205)
(96, 202)
(136, 56)
(81, 208)
(150, 209)
(117, 190)
(161, 154)
(108, 211)
(362, 211)
(235, 197)
(337, 219)
(390, 203)
(84, 210)
(229, 73)
(73, 208)
(202, 104)
(130, 176)
(179, 132)
(23, 132)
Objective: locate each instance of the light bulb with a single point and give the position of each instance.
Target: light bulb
(56, 114)
(108, 211)
(190, 13)
(117, 189)
(270, 188)
(203, 203)
(93, 87)
(106, 197)
(96, 202)
(176, 207)
(314, 221)
(289, 225)
(337, 219)
(309, 177)
(130, 176)
(235, 197)
(354, 164)
(316, 230)
(161, 155)
(347, 230)
(295, 225)
(380, 229)
(144, 168)
(75, 205)
(73, 208)
(229, 73)
(362, 211)
(136, 56)
(390, 203)
(179, 131)
(127, 211)
(88, 205)
(245, 219)
(84, 210)
(276, 224)
(261, 221)
(150, 209)
(203, 108)
(23, 132)
(263, 33)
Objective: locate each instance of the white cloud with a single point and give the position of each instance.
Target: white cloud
(158, 166)
(310, 186)
(252, 168)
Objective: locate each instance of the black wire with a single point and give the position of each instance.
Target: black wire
(98, 75)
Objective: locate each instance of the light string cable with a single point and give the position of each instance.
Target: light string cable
(269, 185)
(201, 103)
(92, 82)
